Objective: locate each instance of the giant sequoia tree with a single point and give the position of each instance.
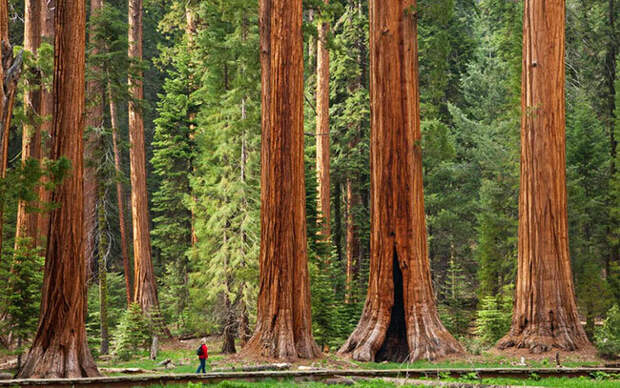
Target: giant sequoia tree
(322, 129)
(400, 320)
(60, 348)
(545, 313)
(283, 325)
(145, 291)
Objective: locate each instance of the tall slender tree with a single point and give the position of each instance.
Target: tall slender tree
(31, 135)
(60, 348)
(283, 328)
(10, 71)
(47, 110)
(322, 129)
(400, 320)
(545, 313)
(119, 192)
(94, 123)
(145, 291)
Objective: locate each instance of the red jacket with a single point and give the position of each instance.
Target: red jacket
(205, 352)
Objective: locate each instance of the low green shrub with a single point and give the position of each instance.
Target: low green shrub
(607, 337)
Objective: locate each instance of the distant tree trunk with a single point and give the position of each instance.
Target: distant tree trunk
(94, 123)
(352, 240)
(322, 131)
(119, 194)
(26, 225)
(400, 320)
(103, 272)
(545, 313)
(10, 70)
(228, 345)
(145, 291)
(190, 32)
(60, 348)
(283, 328)
(47, 110)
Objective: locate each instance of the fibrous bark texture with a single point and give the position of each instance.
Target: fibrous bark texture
(145, 292)
(283, 325)
(94, 122)
(322, 131)
(60, 348)
(545, 313)
(27, 221)
(400, 320)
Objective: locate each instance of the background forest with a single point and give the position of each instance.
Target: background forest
(202, 117)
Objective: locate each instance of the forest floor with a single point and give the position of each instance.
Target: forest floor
(181, 358)
(182, 355)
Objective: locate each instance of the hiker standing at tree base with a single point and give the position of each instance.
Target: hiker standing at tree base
(203, 354)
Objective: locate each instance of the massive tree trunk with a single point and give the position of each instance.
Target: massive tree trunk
(145, 291)
(94, 123)
(47, 110)
(119, 193)
(322, 131)
(545, 313)
(400, 320)
(27, 221)
(283, 328)
(60, 348)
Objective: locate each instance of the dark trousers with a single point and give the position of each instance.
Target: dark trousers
(203, 361)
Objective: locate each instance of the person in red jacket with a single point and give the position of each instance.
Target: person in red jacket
(203, 354)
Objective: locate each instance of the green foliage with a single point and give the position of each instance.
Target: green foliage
(116, 306)
(494, 318)
(226, 178)
(21, 295)
(607, 337)
(133, 333)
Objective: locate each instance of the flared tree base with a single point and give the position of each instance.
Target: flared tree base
(281, 345)
(59, 362)
(382, 334)
(540, 340)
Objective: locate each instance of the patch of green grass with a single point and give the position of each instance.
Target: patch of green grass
(564, 382)
(184, 360)
(486, 361)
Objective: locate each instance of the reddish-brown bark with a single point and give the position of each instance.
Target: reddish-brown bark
(60, 348)
(400, 319)
(94, 122)
(322, 131)
(119, 193)
(27, 221)
(145, 291)
(545, 313)
(283, 326)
